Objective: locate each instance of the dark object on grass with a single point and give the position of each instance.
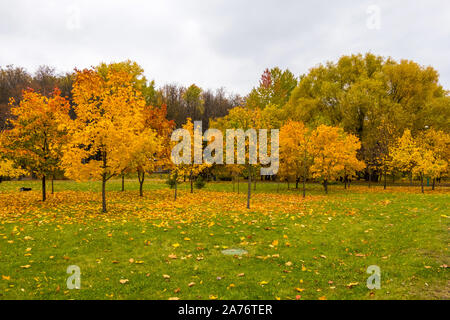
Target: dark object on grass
(25, 189)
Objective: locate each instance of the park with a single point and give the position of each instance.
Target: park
(353, 205)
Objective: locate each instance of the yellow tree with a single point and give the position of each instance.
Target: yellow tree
(348, 157)
(240, 118)
(155, 120)
(143, 155)
(138, 81)
(405, 154)
(38, 133)
(191, 169)
(8, 169)
(435, 148)
(334, 154)
(109, 116)
(295, 159)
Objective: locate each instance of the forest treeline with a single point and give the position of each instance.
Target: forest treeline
(178, 98)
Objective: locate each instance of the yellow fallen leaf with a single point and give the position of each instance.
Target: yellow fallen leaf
(123, 281)
(352, 284)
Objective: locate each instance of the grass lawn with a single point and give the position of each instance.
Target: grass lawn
(155, 248)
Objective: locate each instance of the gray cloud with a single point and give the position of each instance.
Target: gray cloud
(220, 43)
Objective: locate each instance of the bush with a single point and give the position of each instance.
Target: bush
(199, 183)
(171, 182)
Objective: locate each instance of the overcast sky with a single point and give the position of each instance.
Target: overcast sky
(221, 43)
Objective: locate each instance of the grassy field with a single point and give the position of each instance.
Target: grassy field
(155, 248)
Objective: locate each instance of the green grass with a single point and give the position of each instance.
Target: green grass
(324, 244)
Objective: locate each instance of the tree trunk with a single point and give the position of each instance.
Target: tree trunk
(233, 178)
(325, 185)
(254, 183)
(104, 193)
(44, 195)
(249, 187)
(175, 193)
(192, 182)
(53, 189)
(385, 180)
(434, 184)
(370, 177)
(304, 187)
(410, 179)
(238, 183)
(104, 178)
(296, 183)
(141, 183)
(123, 182)
(421, 182)
(345, 182)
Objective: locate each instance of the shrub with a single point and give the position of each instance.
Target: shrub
(171, 182)
(199, 182)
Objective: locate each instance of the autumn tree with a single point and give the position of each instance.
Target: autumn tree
(295, 159)
(348, 158)
(275, 87)
(438, 142)
(405, 154)
(334, 154)
(190, 150)
(151, 150)
(245, 119)
(109, 116)
(9, 169)
(425, 155)
(34, 142)
(358, 92)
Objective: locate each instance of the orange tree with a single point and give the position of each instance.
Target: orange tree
(109, 116)
(38, 132)
(152, 149)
